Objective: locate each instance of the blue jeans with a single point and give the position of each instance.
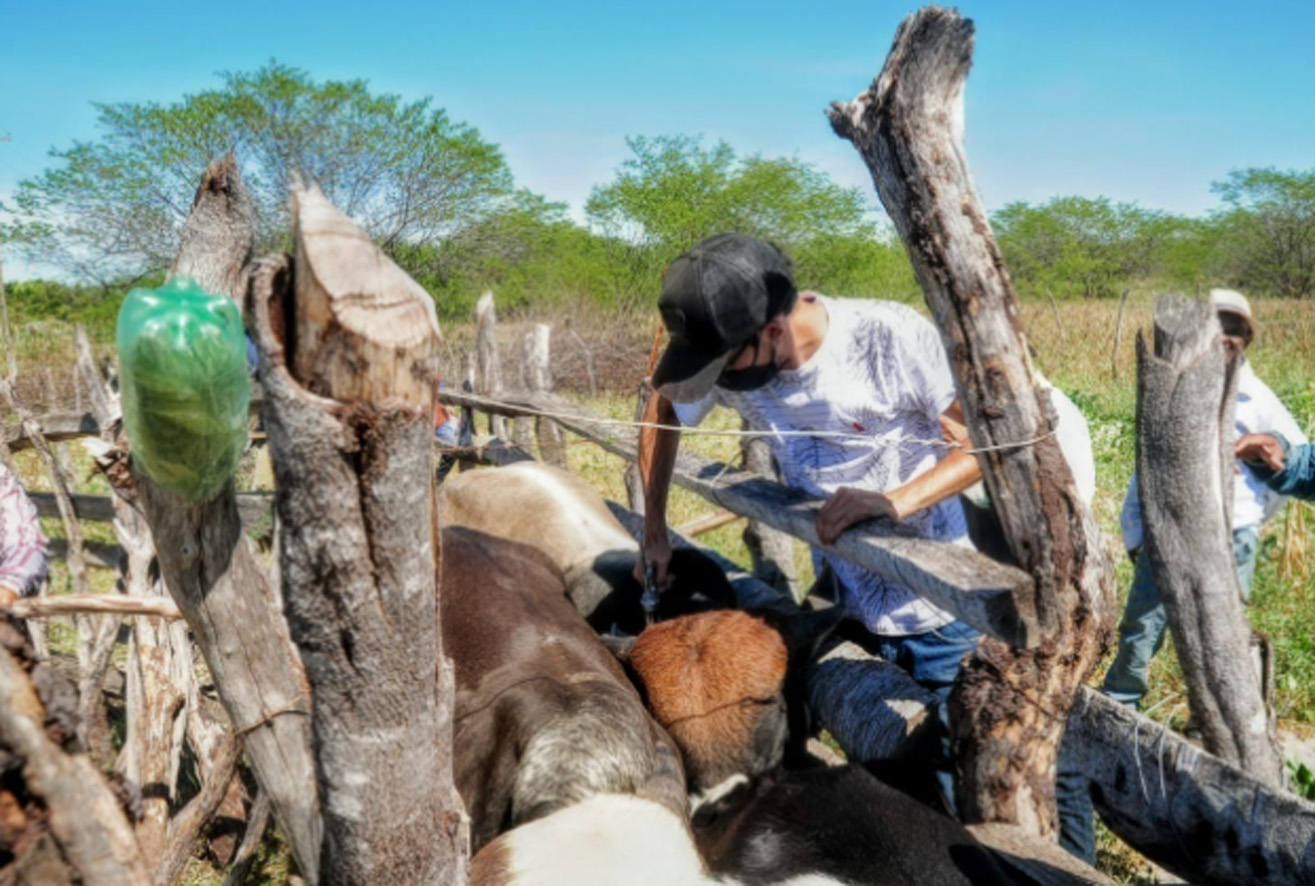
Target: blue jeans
(932, 658)
(1141, 631)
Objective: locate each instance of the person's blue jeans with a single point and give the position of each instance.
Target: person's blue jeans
(1141, 631)
(932, 658)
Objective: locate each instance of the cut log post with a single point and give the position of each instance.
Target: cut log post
(772, 550)
(1185, 402)
(349, 408)
(552, 448)
(1185, 809)
(213, 574)
(522, 428)
(990, 596)
(488, 368)
(1008, 709)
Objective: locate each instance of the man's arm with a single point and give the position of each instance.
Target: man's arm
(1286, 469)
(657, 461)
(952, 475)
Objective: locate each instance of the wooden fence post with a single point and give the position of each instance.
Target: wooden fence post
(349, 406)
(1008, 709)
(488, 369)
(552, 447)
(1185, 403)
(212, 573)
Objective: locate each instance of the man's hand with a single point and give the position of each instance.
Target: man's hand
(1260, 449)
(849, 506)
(7, 597)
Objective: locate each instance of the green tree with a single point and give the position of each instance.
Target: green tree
(113, 207)
(673, 191)
(1094, 247)
(1268, 230)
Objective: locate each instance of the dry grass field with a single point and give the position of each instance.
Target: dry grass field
(1073, 346)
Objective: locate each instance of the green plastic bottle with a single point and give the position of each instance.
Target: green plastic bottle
(183, 379)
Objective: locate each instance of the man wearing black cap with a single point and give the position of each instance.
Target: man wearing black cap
(850, 395)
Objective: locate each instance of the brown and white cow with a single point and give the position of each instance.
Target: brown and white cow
(545, 716)
(566, 519)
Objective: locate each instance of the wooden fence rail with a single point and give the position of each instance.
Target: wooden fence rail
(995, 598)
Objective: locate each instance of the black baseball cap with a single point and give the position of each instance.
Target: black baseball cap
(715, 298)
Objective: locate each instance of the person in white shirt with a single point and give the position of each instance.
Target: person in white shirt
(23, 564)
(1142, 628)
(857, 402)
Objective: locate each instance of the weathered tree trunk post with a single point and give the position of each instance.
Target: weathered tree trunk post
(1008, 710)
(211, 571)
(349, 364)
(488, 379)
(552, 448)
(1185, 464)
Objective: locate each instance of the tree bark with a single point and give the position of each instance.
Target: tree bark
(212, 572)
(552, 448)
(349, 407)
(1008, 709)
(1185, 402)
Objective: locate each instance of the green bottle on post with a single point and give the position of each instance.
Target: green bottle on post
(184, 385)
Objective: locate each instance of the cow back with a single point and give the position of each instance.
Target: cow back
(545, 717)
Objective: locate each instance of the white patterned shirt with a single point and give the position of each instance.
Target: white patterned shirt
(881, 376)
(23, 564)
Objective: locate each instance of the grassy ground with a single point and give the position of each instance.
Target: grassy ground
(1073, 347)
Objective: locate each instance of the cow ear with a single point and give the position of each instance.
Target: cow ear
(620, 645)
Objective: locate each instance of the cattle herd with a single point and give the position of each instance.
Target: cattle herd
(585, 755)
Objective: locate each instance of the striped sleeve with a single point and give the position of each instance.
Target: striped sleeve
(23, 565)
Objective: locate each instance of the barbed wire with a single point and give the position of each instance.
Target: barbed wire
(893, 440)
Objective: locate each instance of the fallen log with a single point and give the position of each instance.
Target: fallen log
(1185, 809)
(991, 596)
(348, 359)
(1186, 394)
(1007, 710)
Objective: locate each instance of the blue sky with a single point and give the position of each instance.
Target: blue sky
(1145, 102)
